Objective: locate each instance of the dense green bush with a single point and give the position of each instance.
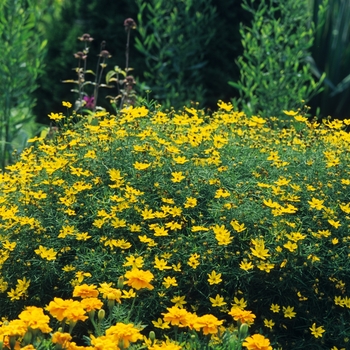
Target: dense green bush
(330, 54)
(274, 71)
(224, 210)
(174, 40)
(22, 48)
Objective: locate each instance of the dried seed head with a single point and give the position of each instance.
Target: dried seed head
(129, 80)
(105, 54)
(129, 23)
(80, 55)
(86, 37)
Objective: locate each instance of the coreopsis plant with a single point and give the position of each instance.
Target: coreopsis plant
(220, 215)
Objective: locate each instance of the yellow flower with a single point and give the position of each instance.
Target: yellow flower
(45, 253)
(161, 264)
(317, 331)
(245, 265)
(177, 176)
(55, 116)
(193, 260)
(127, 294)
(269, 323)
(257, 342)
(139, 279)
(168, 345)
(289, 312)
(214, 278)
(259, 249)
(237, 226)
(217, 301)
(241, 303)
(335, 224)
(180, 160)
(290, 113)
(316, 203)
(190, 202)
(160, 324)
(275, 308)
(9, 245)
(134, 262)
(290, 246)
(225, 106)
(141, 166)
(221, 193)
(66, 104)
(179, 301)
(169, 281)
(83, 236)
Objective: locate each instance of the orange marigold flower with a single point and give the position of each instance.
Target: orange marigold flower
(35, 318)
(58, 307)
(257, 342)
(85, 291)
(242, 316)
(103, 343)
(13, 328)
(139, 279)
(124, 333)
(61, 338)
(90, 304)
(70, 309)
(75, 312)
(176, 316)
(209, 324)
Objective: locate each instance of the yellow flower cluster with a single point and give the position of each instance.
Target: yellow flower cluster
(184, 205)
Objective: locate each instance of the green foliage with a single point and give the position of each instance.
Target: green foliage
(174, 41)
(103, 20)
(22, 50)
(275, 74)
(224, 210)
(332, 56)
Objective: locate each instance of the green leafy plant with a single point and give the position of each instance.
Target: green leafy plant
(331, 56)
(274, 67)
(22, 51)
(173, 40)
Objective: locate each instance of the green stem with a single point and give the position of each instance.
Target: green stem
(132, 306)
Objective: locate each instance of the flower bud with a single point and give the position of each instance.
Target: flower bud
(101, 314)
(152, 336)
(120, 283)
(12, 342)
(27, 337)
(243, 331)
